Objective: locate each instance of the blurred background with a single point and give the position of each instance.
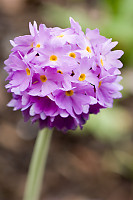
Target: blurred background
(97, 162)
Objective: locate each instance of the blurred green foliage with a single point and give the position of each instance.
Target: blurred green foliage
(109, 125)
(114, 6)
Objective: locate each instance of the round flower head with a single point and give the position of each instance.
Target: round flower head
(60, 76)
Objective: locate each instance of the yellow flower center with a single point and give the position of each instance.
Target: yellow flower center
(88, 49)
(60, 36)
(59, 71)
(101, 62)
(38, 45)
(100, 83)
(82, 77)
(53, 58)
(73, 55)
(28, 71)
(35, 82)
(69, 93)
(43, 78)
(31, 45)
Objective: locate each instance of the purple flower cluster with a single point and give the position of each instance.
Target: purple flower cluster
(60, 76)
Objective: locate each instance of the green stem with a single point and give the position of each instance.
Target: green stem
(37, 165)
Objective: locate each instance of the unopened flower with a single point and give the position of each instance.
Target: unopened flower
(60, 76)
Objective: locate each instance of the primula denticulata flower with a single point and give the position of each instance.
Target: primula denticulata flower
(60, 76)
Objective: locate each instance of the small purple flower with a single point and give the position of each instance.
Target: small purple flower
(108, 89)
(20, 77)
(85, 74)
(59, 76)
(44, 82)
(75, 100)
(109, 59)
